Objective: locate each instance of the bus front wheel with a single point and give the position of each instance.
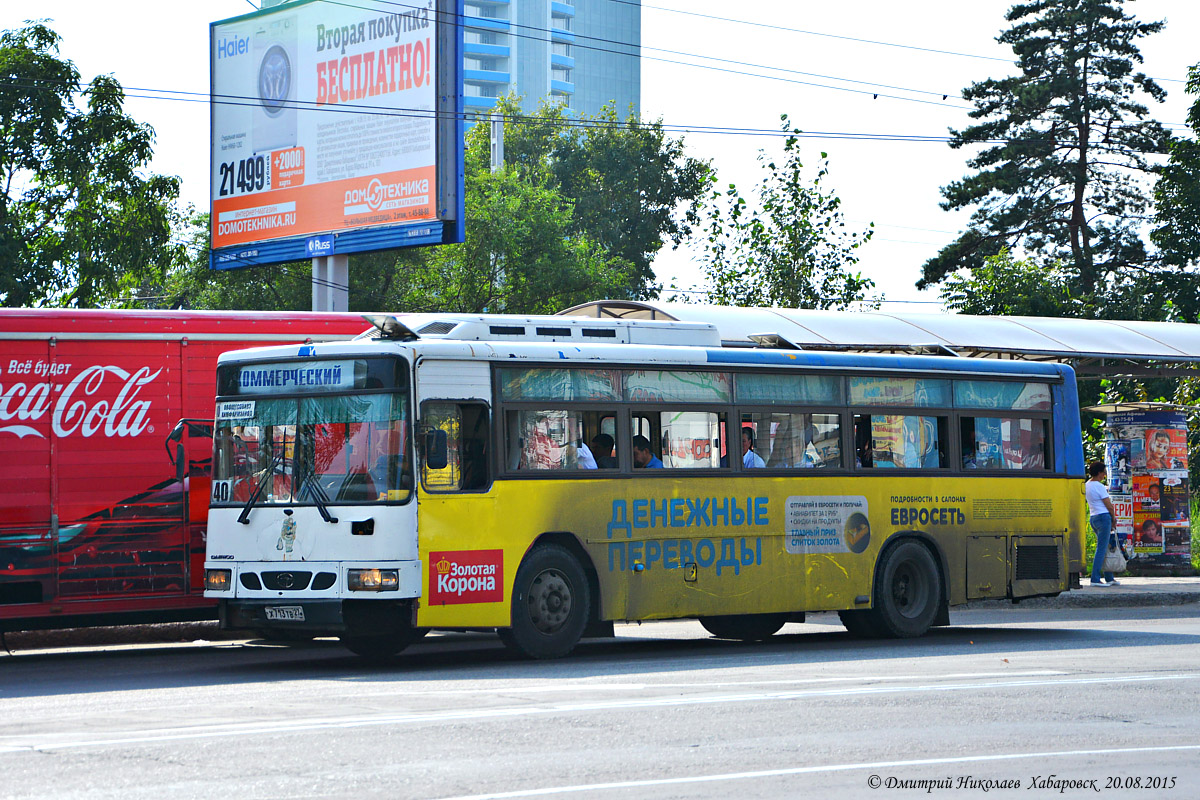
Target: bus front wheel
(745, 627)
(550, 604)
(908, 592)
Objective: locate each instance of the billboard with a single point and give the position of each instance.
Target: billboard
(336, 128)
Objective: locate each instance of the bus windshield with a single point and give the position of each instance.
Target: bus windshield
(313, 450)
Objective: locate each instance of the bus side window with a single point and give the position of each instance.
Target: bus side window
(1010, 443)
(864, 448)
(467, 432)
(901, 441)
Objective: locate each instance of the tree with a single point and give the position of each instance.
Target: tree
(794, 251)
(1178, 191)
(1005, 286)
(79, 224)
(632, 188)
(1062, 175)
(522, 254)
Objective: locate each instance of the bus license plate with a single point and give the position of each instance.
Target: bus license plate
(288, 613)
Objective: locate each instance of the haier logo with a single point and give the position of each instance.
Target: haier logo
(228, 48)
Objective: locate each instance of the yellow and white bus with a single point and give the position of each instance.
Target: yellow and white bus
(547, 476)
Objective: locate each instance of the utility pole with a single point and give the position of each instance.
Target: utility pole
(497, 165)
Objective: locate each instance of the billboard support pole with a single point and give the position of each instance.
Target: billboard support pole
(331, 283)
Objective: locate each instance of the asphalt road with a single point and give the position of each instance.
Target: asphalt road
(1096, 698)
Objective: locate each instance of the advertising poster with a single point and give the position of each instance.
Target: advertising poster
(1147, 493)
(1173, 502)
(323, 120)
(1177, 541)
(827, 524)
(1120, 468)
(1166, 448)
(1147, 532)
(1154, 445)
(1123, 520)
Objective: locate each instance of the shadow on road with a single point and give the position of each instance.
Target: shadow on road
(476, 656)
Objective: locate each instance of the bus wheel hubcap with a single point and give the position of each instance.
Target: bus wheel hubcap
(549, 601)
(908, 591)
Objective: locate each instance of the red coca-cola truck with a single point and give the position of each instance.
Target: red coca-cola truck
(105, 456)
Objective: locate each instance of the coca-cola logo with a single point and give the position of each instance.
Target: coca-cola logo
(83, 406)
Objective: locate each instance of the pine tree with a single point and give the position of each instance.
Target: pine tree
(1063, 173)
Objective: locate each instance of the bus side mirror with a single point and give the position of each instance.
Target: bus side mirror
(436, 455)
(180, 462)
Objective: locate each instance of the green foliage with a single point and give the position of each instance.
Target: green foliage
(521, 254)
(577, 213)
(79, 223)
(1066, 180)
(1178, 191)
(632, 189)
(1004, 286)
(794, 251)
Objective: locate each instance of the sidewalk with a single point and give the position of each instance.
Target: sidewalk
(1156, 591)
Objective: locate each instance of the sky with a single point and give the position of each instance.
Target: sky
(704, 67)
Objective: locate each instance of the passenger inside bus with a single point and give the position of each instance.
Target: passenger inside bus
(642, 457)
(750, 459)
(602, 451)
(583, 456)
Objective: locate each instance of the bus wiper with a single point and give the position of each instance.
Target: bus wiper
(314, 490)
(269, 474)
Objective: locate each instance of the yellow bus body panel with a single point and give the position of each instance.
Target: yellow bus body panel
(668, 547)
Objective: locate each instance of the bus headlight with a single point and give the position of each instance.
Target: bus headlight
(373, 580)
(217, 580)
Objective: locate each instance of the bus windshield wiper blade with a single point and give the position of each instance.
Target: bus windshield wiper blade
(269, 474)
(317, 493)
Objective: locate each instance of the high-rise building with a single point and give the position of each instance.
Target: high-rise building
(584, 52)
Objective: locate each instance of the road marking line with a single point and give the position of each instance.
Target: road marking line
(772, 773)
(547, 688)
(267, 727)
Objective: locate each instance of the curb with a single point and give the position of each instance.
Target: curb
(1089, 597)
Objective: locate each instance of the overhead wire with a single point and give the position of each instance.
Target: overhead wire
(145, 93)
(151, 93)
(770, 26)
(637, 48)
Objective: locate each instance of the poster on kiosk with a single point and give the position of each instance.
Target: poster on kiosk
(1147, 460)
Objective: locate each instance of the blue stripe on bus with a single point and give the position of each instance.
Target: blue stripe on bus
(803, 358)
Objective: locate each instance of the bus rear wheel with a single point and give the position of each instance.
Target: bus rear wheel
(550, 604)
(744, 627)
(908, 592)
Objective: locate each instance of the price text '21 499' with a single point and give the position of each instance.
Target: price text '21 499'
(245, 176)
